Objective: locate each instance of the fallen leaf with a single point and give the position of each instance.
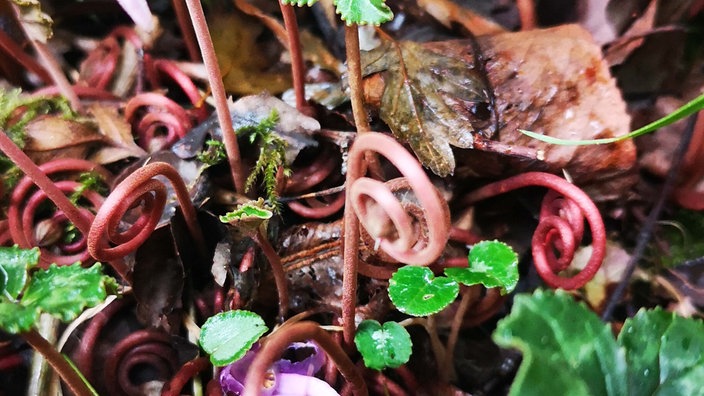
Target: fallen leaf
(50, 137)
(243, 62)
(431, 100)
(448, 13)
(118, 134)
(37, 24)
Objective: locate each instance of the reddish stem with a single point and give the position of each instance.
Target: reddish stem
(58, 362)
(188, 371)
(72, 212)
(294, 48)
(215, 79)
(276, 343)
(184, 23)
(11, 49)
(544, 234)
(278, 271)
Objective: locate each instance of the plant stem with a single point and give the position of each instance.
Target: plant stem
(215, 80)
(32, 171)
(276, 343)
(294, 48)
(184, 23)
(10, 48)
(58, 362)
(277, 269)
(468, 295)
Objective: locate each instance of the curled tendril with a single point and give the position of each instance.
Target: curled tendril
(166, 67)
(142, 348)
(24, 222)
(141, 187)
(161, 121)
(407, 215)
(560, 228)
(305, 178)
(98, 69)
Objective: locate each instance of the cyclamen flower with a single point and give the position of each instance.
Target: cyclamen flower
(292, 375)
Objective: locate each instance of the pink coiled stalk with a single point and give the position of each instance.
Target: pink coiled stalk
(156, 68)
(22, 212)
(307, 177)
(160, 118)
(141, 187)
(188, 371)
(383, 217)
(560, 226)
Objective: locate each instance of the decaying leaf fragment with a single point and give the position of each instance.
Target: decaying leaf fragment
(431, 101)
(36, 23)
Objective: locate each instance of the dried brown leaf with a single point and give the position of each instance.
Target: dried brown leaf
(37, 24)
(117, 133)
(448, 13)
(50, 137)
(431, 101)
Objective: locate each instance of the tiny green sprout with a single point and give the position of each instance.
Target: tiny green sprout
(416, 291)
(686, 110)
(213, 154)
(249, 216)
(383, 346)
(272, 155)
(63, 292)
(358, 12)
(227, 336)
(492, 264)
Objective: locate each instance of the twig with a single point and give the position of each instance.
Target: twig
(294, 48)
(647, 230)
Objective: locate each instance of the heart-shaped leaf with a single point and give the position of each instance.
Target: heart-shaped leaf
(359, 12)
(227, 336)
(416, 291)
(383, 346)
(491, 263)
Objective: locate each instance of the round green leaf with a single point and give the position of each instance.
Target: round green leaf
(383, 346)
(227, 336)
(491, 263)
(416, 291)
(363, 12)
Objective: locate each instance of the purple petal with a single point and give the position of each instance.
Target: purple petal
(307, 359)
(302, 385)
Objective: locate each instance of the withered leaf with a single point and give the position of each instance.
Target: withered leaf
(37, 24)
(117, 133)
(52, 136)
(431, 101)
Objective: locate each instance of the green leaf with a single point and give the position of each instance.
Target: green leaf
(246, 212)
(416, 291)
(227, 336)
(566, 348)
(363, 12)
(665, 353)
(16, 318)
(14, 264)
(64, 291)
(686, 110)
(383, 346)
(491, 263)
(300, 3)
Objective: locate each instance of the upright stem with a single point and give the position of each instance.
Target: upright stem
(215, 80)
(58, 362)
(184, 23)
(9, 47)
(277, 269)
(294, 48)
(57, 196)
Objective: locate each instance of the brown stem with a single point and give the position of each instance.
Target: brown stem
(354, 73)
(215, 80)
(72, 212)
(276, 343)
(184, 374)
(58, 362)
(277, 269)
(294, 48)
(468, 295)
(184, 23)
(526, 12)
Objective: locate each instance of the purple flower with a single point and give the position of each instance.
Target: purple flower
(292, 375)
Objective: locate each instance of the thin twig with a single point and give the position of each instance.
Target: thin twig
(647, 230)
(294, 48)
